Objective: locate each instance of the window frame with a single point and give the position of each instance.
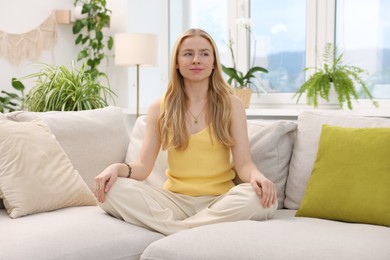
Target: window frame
(320, 17)
(320, 29)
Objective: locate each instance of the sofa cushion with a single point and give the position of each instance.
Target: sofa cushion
(2, 117)
(279, 238)
(271, 147)
(35, 173)
(157, 177)
(72, 233)
(351, 176)
(306, 146)
(92, 139)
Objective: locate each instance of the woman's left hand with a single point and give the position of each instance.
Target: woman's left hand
(264, 188)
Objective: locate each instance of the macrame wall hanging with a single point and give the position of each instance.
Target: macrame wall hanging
(18, 47)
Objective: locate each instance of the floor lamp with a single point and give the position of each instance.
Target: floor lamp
(136, 49)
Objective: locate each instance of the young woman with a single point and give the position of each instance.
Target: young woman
(201, 124)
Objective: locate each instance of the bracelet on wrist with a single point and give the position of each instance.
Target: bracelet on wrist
(130, 170)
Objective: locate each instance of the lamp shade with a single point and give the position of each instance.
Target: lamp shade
(136, 49)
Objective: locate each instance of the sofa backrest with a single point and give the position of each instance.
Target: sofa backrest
(306, 146)
(92, 139)
(2, 117)
(157, 177)
(271, 147)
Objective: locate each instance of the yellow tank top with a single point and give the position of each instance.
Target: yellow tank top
(202, 169)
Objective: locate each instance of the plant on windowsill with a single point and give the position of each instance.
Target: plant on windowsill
(237, 79)
(58, 88)
(334, 76)
(90, 34)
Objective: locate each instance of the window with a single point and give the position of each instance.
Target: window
(369, 46)
(287, 35)
(278, 27)
(209, 15)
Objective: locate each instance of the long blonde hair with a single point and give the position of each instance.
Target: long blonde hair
(171, 124)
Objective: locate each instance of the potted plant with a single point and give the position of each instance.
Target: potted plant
(334, 76)
(61, 89)
(90, 34)
(241, 87)
(10, 101)
(237, 79)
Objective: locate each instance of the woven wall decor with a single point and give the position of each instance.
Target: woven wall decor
(18, 47)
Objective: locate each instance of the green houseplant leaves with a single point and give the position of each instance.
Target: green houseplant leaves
(237, 78)
(241, 79)
(61, 89)
(10, 101)
(90, 34)
(334, 73)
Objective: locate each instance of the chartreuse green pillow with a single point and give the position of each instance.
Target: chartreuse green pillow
(351, 177)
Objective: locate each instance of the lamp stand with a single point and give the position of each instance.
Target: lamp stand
(137, 115)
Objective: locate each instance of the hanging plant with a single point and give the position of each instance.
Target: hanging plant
(90, 35)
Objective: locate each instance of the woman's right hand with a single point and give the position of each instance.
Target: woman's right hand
(105, 180)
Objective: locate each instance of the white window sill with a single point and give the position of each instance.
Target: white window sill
(261, 108)
(292, 114)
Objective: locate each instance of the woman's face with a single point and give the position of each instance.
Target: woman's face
(195, 59)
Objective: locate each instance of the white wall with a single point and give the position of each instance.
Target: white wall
(18, 16)
(14, 19)
(149, 16)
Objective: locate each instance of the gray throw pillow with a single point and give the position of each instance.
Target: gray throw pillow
(271, 147)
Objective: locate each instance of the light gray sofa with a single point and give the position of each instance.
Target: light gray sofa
(284, 150)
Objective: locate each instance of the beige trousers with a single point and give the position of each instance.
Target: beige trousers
(167, 212)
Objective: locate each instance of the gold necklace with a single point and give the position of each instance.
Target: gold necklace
(196, 118)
